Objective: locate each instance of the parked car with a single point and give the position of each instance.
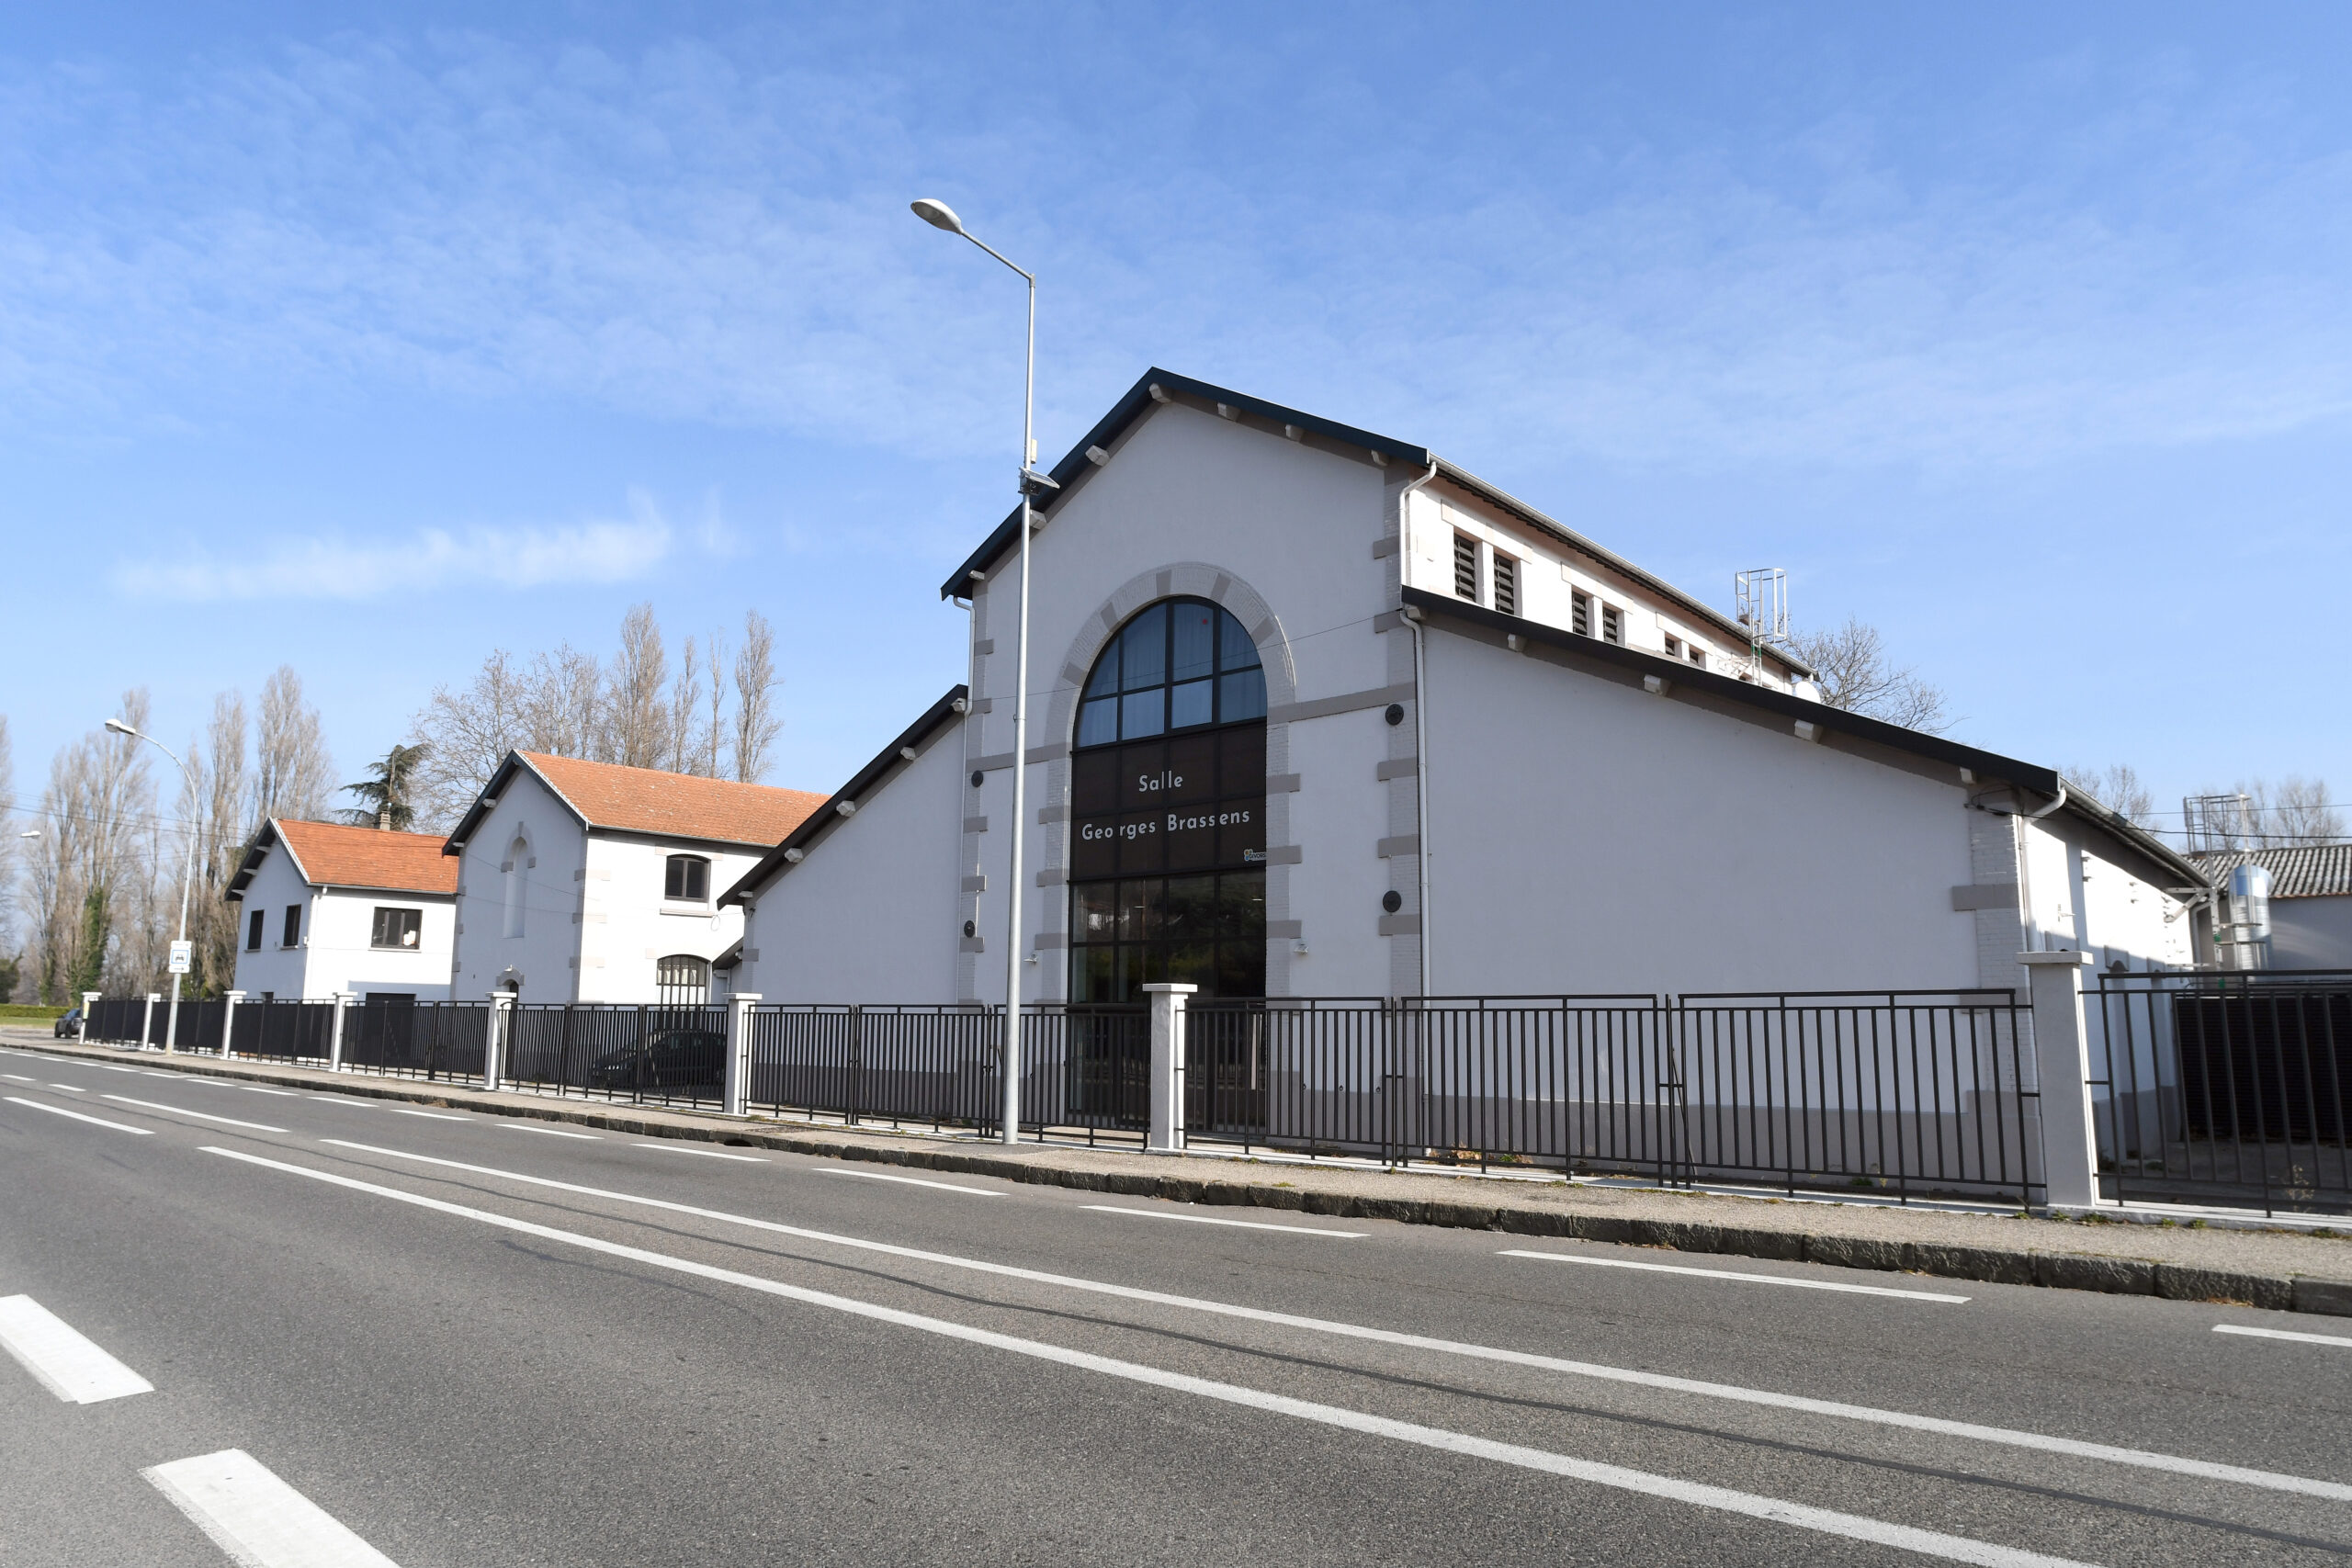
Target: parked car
(70, 1024)
(668, 1058)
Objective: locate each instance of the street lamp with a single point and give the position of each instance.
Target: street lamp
(939, 216)
(187, 874)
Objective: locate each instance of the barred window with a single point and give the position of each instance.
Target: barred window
(1580, 613)
(1612, 625)
(682, 980)
(1466, 568)
(1506, 584)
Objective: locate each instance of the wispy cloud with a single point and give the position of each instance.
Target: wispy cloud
(342, 567)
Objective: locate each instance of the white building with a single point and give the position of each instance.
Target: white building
(324, 908)
(590, 882)
(2310, 907)
(1316, 713)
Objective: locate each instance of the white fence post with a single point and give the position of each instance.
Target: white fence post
(493, 1045)
(738, 1076)
(147, 1020)
(89, 1000)
(1168, 1005)
(229, 1019)
(343, 1000)
(2063, 1072)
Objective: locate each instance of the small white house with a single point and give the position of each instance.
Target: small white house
(326, 907)
(1316, 713)
(591, 882)
(2310, 904)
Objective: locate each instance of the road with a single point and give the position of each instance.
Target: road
(449, 1338)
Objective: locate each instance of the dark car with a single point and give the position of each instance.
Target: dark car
(667, 1059)
(70, 1024)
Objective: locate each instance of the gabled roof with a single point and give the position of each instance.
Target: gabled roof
(335, 854)
(1707, 686)
(2306, 871)
(645, 800)
(1158, 385)
(887, 761)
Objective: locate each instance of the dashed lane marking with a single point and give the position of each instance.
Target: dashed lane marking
(256, 1518)
(1729, 1274)
(61, 1359)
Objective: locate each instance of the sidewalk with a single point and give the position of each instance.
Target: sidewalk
(2288, 1270)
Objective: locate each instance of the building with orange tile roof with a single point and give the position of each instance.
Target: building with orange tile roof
(326, 908)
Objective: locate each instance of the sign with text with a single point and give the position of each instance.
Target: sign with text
(1170, 804)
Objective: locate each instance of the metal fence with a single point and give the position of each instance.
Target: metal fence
(1913, 1093)
(417, 1039)
(2232, 1089)
(670, 1055)
(282, 1031)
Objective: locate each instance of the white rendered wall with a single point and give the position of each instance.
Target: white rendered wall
(871, 915)
(2310, 933)
(1587, 837)
(548, 896)
(281, 971)
(336, 953)
(2117, 914)
(628, 926)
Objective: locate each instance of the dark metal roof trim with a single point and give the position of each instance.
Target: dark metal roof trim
(774, 863)
(1985, 765)
(1131, 407)
(249, 863)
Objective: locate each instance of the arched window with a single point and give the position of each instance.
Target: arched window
(1181, 665)
(1167, 809)
(682, 980)
(687, 878)
(516, 873)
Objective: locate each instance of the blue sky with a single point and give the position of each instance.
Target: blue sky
(367, 344)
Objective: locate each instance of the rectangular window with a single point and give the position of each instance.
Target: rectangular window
(1506, 584)
(1580, 613)
(397, 928)
(1673, 647)
(1466, 568)
(1612, 625)
(1698, 657)
(253, 930)
(293, 933)
(688, 879)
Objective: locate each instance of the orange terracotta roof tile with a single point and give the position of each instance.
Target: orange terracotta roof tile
(333, 855)
(675, 805)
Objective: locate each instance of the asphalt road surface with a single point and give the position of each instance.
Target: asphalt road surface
(298, 1330)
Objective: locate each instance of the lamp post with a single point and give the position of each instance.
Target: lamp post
(939, 216)
(187, 874)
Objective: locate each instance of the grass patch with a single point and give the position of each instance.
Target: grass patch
(31, 1012)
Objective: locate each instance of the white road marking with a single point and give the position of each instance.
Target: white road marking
(199, 1115)
(2281, 1333)
(111, 1067)
(70, 1088)
(435, 1115)
(256, 1518)
(706, 1153)
(256, 1089)
(911, 1181)
(93, 1121)
(2004, 1436)
(60, 1359)
(1206, 1220)
(550, 1131)
(17, 1078)
(342, 1100)
(1774, 1510)
(1728, 1274)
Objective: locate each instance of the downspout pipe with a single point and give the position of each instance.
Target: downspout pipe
(1420, 721)
(2055, 802)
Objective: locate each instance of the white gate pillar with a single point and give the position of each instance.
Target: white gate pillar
(147, 1020)
(1168, 1008)
(493, 1045)
(229, 1019)
(89, 1000)
(736, 1094)
(343, 1000)
(2062, 1056)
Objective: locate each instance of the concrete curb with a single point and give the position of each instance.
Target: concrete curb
(2003, 1266)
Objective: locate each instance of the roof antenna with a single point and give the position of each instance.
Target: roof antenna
(1761, 598)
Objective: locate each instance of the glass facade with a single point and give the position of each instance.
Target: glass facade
(1167, 807)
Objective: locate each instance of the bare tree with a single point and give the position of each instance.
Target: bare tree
(685, 695)
(637, 722)
(756, 723)
(292, 774)
(223, 833)
(89, 873)
(2296, 810)
(566, 716)
(2116, 787)
(713, 737)
(466, 733)
(1851, 666)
